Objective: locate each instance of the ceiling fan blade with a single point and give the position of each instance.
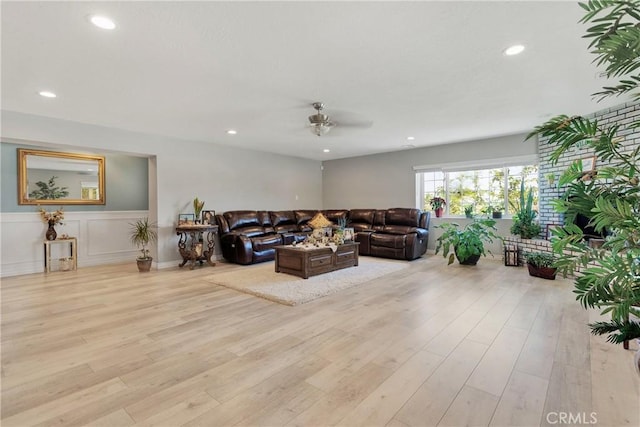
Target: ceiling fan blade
(348, 119)
(358, 124)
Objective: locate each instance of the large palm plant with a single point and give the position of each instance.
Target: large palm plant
(609, 277)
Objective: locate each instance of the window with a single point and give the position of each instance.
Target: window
(481, 189)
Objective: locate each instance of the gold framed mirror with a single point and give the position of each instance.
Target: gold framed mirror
(58, 178)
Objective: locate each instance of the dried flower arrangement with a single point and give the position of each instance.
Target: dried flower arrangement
(52, 218)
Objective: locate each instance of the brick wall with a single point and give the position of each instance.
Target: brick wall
(621, 115)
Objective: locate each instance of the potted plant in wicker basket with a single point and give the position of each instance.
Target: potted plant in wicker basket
(541, 264)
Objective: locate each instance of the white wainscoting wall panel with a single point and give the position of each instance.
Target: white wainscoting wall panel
(103, 238)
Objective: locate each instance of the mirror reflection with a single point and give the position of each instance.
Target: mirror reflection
(48, 177)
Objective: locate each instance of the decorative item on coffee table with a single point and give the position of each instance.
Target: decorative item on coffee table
(52, 219)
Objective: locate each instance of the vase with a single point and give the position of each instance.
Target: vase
(51, 232)
(439, 212)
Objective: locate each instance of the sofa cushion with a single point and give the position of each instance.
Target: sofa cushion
(399, 229)
(362, 216)
(239, 219)
(252, 231)
(395, 241)
(379, 219)
(304, 216)
(334, 215)
(262, 243)
(319, 221)
(403, 216)
(279, 218)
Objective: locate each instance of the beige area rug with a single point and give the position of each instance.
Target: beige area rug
(261, 280)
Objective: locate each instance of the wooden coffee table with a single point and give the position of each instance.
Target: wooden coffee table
(311, 261)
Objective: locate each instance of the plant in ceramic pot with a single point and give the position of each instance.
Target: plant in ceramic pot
(198, 205)
(467, 243)
(438, 204)
(142, 233)
(541, 264)
(468, 211)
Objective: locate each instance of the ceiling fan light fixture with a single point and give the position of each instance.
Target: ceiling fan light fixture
(320, 129)
(320, 123)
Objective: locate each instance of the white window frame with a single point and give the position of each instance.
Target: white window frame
(530, 159)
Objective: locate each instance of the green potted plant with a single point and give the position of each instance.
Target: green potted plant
(493, 211)
(541, 264)
(143, 233)
(466, 244)
(438, 204)
(198, 205)
(468, 211)
(524, 216)
(611, 195)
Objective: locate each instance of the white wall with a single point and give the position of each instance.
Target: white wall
(102, 239)
(225, 178)
(388, 180)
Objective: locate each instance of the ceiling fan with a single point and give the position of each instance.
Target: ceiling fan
(321, 124)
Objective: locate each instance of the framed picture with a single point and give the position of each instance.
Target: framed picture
(348, 234)
(550, 227)
(588, 163)
(186, 219)
(209, 217)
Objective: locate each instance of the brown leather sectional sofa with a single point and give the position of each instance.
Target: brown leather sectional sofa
(249, 237)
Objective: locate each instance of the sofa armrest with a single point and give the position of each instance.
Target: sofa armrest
(288, 238)
(237, 248)
(364, 238)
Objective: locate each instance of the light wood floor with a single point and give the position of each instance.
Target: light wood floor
(430, 345)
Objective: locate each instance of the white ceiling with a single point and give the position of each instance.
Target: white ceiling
(192, 70)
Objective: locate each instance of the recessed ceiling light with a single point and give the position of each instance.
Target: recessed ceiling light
(232, 132)
(514, 50)
(47, 94)
(411, 138)
(102, 22)
(326, 150)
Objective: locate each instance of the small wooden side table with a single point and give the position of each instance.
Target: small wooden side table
(73, 252)
(191, 243)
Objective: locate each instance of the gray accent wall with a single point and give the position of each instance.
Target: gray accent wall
(126, 181)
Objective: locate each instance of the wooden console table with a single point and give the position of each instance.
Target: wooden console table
(191, 243)
(71, 262)
(310, 261)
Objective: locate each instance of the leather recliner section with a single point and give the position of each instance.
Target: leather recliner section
(248, 237)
